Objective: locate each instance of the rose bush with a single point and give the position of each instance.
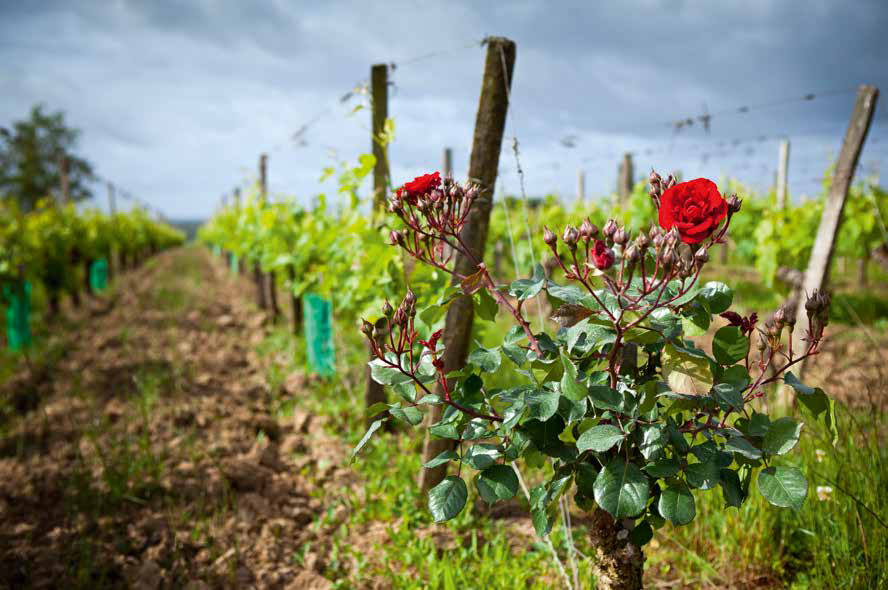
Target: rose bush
(629, 414)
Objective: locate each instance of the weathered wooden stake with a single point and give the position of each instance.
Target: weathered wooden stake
(486, 146)
(379, 103)
(295, 302)
(831, 219)
(782, 173)
(448, 163)
(258, 278)
(625, 178)
(374, 392)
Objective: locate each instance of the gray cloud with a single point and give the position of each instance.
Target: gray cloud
(176, 100)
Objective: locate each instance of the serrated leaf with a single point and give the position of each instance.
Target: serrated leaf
(543, 404)
(497, 483)
(444, 431)
(676, 504)
(704, 476)
(717, 296)
(815, 401)
(386, 375)
(782, 436)
(663, 468)
(448, 498)
(686, 373)
(783, 486)
(570, 387)
(441, 459)
(599, 438)
(482, 456)
(732, 489)
(487, 360)
(605, 398)
(621, 489)
(729, 345)
(743, 447)
(411, 415)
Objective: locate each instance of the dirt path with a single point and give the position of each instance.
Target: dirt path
(152, 460)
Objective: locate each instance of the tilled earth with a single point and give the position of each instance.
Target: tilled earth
(151, 459)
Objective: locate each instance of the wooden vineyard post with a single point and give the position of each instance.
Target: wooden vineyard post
(241, 266)
(295, 302)
(379, 104)
(782, 173)
(490, 124)
(270, 277)
(374, 392)
(817, 273)
(447, 163)
(581, 186)
(258, 279)
(624, 179)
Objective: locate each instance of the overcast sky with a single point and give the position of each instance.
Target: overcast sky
(176, 100)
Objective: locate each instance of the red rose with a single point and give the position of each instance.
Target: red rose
(694, 208)
(419, 186)
(602, 256)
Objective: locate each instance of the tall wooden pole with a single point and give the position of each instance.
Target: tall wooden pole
(817, 274)
(64, 183)
(782, 173)
(374, 392)
(258, 278)
(625, 178)
(448, 162)
(379, 100)
(490, 124)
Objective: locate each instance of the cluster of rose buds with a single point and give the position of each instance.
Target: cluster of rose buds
(658, 186)
(434, 212)
(817, 307)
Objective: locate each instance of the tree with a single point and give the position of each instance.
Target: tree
(31, 156)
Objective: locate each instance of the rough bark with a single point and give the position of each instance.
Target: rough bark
(618, 564)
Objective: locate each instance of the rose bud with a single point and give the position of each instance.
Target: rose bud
(587, 230)
(734, 204)
(410, 299)
(780, 316)
(400, 318)
(621, 236)
(702, 256)
(396, 237)
(472, 192)
(642, 241)
(456, 192)
(602, 257)
(549, 237)
(570, 237)
(631, 254)
(366, 328)
(671, 181)
(609, 229)
(387, 309)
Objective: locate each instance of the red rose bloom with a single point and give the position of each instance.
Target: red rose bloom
(419, 186)
(694, 208)
(602, 256)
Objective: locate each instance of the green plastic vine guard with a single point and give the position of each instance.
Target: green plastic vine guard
(234, 263)
(217, 250)
(319, 335)
(18, 314)
(98, 275)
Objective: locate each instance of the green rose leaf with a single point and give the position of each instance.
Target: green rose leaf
(570, 387)
(783, 486)
(411, 415)
(815, 401)
(386, 375)
(441, 459)
(599, 438)
(717, 296)
(677, 504)
(482, 456)
(743, 447)
(729, 345)
(732, 489)
(487, 306)
(703, 475)
(663, 468)
(448, 498)
(543, 404)
(782, 436)
(496, 483)
(605, 398)
(488, 360)
(621, 489)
